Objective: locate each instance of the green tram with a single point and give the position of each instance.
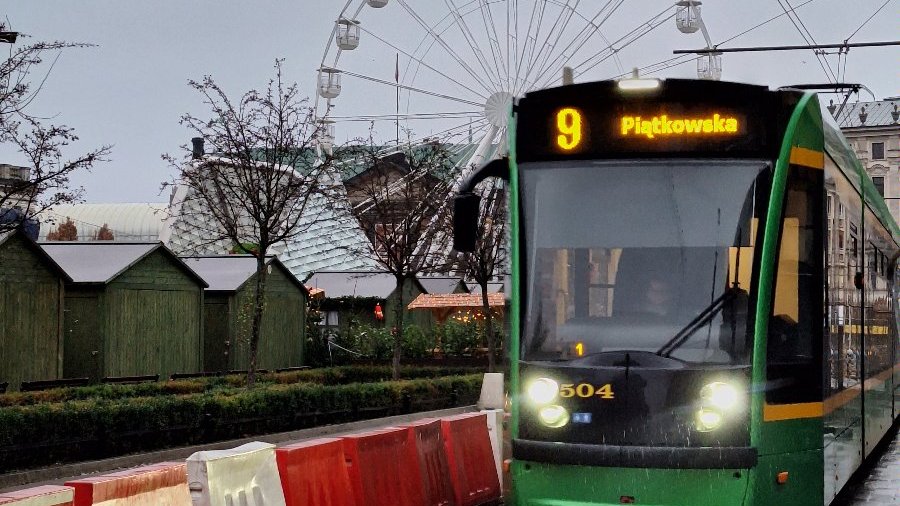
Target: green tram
(702, 298)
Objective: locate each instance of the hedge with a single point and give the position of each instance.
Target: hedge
(48, 433)
(326, 376)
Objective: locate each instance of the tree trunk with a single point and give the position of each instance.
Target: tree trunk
(259, 300)
(398, 334)
(488, 328)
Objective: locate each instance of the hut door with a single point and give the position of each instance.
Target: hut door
(215, 331)
(82, 343)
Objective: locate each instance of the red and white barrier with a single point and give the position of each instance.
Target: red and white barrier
(314, 473)
(162, 484)
(495, 419)
(469, 453)
(243, 476)
(427, 444)
(383, 470)
(48, 495)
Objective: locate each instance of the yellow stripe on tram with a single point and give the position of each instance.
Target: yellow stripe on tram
(807, 157)
(777, 412)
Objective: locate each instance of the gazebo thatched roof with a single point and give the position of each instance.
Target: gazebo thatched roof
(456, 300)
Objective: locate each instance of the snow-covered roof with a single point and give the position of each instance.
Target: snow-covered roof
(227, 273)
(876, 114)
(329, 237)
(103, 261)
(354, 283)
(439, 285)
(127, 222)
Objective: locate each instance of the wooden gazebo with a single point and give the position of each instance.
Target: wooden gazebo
(442, 306)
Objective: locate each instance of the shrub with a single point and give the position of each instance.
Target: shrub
(460, 338)
(327, 376)
(43, 434)
(417, 343)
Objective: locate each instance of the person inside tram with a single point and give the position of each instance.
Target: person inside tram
(659, 298)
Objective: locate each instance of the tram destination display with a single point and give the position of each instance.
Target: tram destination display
(600, 120)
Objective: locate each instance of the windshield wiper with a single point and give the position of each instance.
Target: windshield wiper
(697, 323)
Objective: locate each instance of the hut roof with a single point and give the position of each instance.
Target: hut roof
(434, 284)
(229, 273)
(354, 283)
(33, 246)
(103, 261)
(450, 300)
(493, 287)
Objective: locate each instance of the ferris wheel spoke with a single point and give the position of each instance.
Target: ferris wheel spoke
(523, 54)
(442, 42)
(578, 42)
(623, 41)
(627, 39)
(546, 46)
(570, 13)
(490, 28)
(422, 62)
(472, 41)
(407, 116)
(410, 88)
(454, 131)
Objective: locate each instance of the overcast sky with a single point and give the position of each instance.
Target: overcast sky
(130, 89)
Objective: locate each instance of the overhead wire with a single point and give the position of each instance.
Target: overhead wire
(809, 42)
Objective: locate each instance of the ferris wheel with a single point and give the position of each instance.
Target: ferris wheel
(449, 70)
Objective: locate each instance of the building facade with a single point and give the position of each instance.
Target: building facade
(873, 129)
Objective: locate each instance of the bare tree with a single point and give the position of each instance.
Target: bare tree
(488, 260)
(397, 198)
(45, 181)
(255, 190)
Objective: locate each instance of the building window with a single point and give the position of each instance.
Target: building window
(877, 151)
(879, 184)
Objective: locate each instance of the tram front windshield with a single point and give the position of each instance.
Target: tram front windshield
(640, 257)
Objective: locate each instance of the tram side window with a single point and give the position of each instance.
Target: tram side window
(896, 309)
(795, 324)
(878, 299)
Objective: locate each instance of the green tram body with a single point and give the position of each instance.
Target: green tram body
(806, 335)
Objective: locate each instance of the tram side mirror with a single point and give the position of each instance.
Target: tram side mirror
(467, 203)
(858, 281)
(465, 221)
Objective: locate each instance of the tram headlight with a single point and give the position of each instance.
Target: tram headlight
(709, 419)
(554, 416)
(716, 399)
(719, 395)
(543, 390)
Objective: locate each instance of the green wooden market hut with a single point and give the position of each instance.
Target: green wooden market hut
(32, 288)
(228, 306)
(131, 309)
(354, 294)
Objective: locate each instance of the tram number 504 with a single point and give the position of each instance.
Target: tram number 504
(569, 128)
(586, 391)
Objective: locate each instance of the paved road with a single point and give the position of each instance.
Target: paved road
(879, 483)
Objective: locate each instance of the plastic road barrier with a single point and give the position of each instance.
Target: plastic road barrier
(492, 391)
(427, 443)
(243, 476)
(472, 468)
(495, 431)
(49, 495)
(162, 484)
(382, 469)
(313, 473)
